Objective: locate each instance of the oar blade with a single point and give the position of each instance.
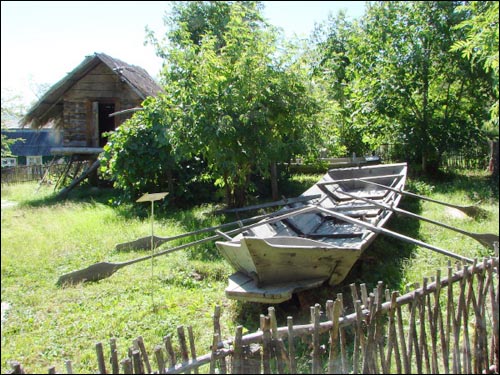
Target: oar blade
(487, 239)
(94, 272)
(473, 211)
(143, 243)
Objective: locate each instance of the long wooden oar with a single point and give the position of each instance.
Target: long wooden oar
(485, 239)
(469, 210)
(102, 270)
(282, 202)
(144, 243)
(391, 233)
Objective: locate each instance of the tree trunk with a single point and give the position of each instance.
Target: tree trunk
(493, 165)
(274, 181)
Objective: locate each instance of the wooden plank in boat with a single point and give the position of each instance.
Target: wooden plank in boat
(244, 288)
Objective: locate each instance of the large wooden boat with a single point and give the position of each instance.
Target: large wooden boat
(315, 240)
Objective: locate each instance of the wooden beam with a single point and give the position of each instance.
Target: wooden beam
(75, 150)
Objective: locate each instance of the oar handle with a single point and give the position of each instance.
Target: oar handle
(486, 239)
(284, 215)
(144, 242)
(392, 234)
(404, 192)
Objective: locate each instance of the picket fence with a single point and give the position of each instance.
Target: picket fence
(446, 325)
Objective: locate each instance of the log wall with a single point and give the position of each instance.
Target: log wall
(99, 85)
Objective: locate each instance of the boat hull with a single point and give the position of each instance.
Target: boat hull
(285, 259)
(314, 246)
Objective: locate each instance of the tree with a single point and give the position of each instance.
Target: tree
(406, 86)
(138, 157)
(240, 104)
(480, 47)
(12, 110)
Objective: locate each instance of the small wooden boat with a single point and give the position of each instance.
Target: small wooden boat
(317, 239)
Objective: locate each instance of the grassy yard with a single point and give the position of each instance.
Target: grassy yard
(41, 239)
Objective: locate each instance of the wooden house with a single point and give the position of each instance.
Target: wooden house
(80, 104)
(93, 99)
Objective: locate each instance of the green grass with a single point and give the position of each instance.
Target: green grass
(43, 239)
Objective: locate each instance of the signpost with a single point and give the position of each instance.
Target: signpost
(152, 198)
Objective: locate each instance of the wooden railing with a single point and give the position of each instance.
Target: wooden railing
(446, 325)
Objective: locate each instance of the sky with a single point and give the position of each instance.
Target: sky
(42, 41)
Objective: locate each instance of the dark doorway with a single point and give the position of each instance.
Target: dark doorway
(106, 123)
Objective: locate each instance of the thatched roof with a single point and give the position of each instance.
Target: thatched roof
(50, 105)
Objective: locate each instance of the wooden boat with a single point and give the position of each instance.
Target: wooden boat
(316, 239)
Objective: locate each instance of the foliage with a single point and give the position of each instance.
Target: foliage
(138, 158)
(241, 105)
(11, 111)
(395, 80)
(480, 46)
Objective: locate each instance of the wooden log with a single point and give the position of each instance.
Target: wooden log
(137, 362)
(170, 352)
(291, 345)
(411, 332)
(479, 344)
(462, 320)
(217, 329)
(192, 346)
(450, 323)
(432, 312)
(127, 366)
(266, 343)
(52, 370)
(144, 354)
(484, 308)
(238, 351)
(316, 359)
(343, 339)
(358, 337)
(354, 295)
(364, 295)
(368, 350)
(334, 310)
(159, 359)
(392, 340)
(423, 347)
(494, 301)
(213, 355)
(182, 344)
(100, 358)
(115, 366)
(64, 192)
(466, 349)
(16, 368)
(252, 359)
(275, 346)
(69, 366)
(380, 326)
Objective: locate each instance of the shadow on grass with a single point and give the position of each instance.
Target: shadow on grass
(477, 185)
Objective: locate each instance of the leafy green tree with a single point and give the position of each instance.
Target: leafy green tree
(12, 110)
(480, 46)
(407, 87)
(240, 104)
(138, 158)
(333, 72)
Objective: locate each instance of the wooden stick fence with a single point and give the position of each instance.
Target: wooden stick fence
(428, 330)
